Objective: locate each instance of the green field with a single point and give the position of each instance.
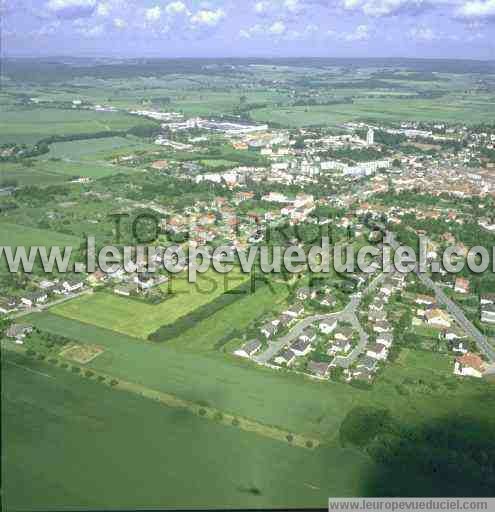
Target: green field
(96, 149)
(449, 108)
(274, 398)
(16, 235)
(92, 447)
(139, 319)
(30, 125)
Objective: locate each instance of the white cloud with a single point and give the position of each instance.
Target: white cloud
(385, 7)
(119, 23)
(293, 6)
(71, 8)
(477, 9)
(103, 9)
(424, 34)
(177, 7)
(277, 28)
(361, 33)
(91, 31)
(208, 17)
(261, 7)
(153, 13)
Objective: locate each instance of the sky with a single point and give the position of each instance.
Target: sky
(249, 28)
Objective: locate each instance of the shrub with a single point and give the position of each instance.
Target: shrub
(100, 378)
(202, 412)
(30, 352)
(235, 422)
(64, 365)
(309, 444)
(363, 424)
(41, 357)
(290, 438)
(114, 382)
(218, 416)
(88, 373)
(76, 369)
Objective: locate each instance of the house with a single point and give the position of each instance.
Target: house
(72, 286)
(19, 331)
(305, 293)
(327, 300)
(378, 351)
(377, 316)
(328, 326)
(47, 285)
(469, 365)
(124, 290)
(34, 299)
(461, 285)
(8, 304)
(368, 363)
(96, 278)
(295, 311)
(344, 334)
(377, 304)
(339, 347)
(387, 289)
(363, 375)
(286, 357)
(249, 349)
(385, 338)
(438, 318)
(461, 347)
(285, 321)
(302, 347)
(269, 329)
(487, 299)
(488, 314)
(321, 370)
(382, 326)
(425, 300)
(309, 334)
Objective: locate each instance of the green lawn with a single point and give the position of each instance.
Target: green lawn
(68, 442)
(129, 316)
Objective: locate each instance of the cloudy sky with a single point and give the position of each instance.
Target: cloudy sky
(216, 28)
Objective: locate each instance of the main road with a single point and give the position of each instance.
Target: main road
(454, 310)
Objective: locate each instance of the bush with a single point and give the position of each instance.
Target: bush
(88, 373)
(52, 361)
(363, 424)
(290, 438)
(76, 369)
(235, 422)
(100, 378)
(218, 416)
(64, 365)
(309, 444)
(114, 382)
(41, 357)
(202, 412)
(30, 352)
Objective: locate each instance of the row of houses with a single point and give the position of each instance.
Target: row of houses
(366, 366)
(40, 297)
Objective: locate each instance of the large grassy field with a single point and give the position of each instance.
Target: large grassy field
(16, 235)
(29, 125)
(69, 443)
(139, 319)
(275, 398)
(92, 150)
(451, 108)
